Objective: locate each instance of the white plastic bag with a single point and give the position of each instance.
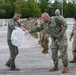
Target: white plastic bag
(17, 36)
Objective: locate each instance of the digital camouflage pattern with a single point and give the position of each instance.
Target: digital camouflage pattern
(54, 28)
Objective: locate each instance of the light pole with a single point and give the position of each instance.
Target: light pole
(61, 2)
(62, 7)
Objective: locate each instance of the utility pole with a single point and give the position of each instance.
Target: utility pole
(61, 1)
(62, 7)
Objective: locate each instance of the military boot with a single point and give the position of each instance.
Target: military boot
(45, 51)
(65, 69)
(55, 68)
(74, 57)
(15, 69)
(7, 65)
(72, 61)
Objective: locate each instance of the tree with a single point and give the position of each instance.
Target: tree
(31, 8)
(70, 10)
(28, 8)
(6, 8)
(43, 5)
(2, 9)
(54, 6)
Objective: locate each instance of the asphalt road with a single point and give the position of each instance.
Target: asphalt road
(30, 59)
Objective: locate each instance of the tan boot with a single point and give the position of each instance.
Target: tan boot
(72, 61)
(65, 69)
(15, 69)
(45, 51)
(55, 68)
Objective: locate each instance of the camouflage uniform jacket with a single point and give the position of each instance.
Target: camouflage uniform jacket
(53, 28)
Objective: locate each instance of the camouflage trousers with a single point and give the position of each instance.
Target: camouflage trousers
(57, 44)
(45, 41)
(74, 48)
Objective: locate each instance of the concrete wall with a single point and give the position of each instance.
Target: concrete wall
(70, 21)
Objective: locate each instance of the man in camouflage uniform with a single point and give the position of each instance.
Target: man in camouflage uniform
(56, 29)
(73, 34)
(44, 39)
(13, 49)
(57, 13)
(33, 24)
(26, 24)
(30, 24)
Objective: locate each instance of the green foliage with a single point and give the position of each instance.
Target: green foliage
(34, 8)
(2, 9)
(6, 9)
(54, 6)
(43, 5)
(70, 10)
(28, 8)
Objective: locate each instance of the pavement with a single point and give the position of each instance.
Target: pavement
(30, 59)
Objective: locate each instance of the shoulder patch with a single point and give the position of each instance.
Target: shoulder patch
(11, 23)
